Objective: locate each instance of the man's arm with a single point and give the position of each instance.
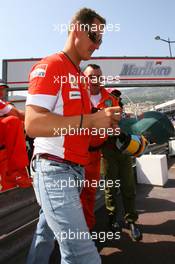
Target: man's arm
(39, 122)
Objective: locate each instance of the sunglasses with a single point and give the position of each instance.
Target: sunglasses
(96, 39)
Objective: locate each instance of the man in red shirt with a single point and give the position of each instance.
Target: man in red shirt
(117, 165)
(100, 99)
(58, 108)
(13, 146)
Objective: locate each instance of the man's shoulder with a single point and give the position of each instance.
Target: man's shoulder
(51, 64)
(53, 59)
(105, 94)
(108, 98)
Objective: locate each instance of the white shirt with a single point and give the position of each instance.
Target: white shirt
(95, 99)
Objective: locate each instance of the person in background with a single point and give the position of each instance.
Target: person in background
(119, 166)
(14, 111)
(13, 140)
(100, 99)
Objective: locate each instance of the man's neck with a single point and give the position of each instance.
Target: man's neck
(72, 55)
(99, 93)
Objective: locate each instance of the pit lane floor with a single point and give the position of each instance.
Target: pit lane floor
(156, 207)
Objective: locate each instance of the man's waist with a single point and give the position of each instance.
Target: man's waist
(56, 158)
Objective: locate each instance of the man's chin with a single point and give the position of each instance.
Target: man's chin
(86, 57)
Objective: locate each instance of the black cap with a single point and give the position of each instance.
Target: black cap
(116, 93)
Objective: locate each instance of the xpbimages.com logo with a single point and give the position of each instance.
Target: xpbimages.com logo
(79, 79)
(85, 235)
(83, 183)
(101, 132)
(61, 186)
(63, 27)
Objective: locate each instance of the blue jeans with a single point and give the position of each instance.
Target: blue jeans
(42, 243)
(57, 187)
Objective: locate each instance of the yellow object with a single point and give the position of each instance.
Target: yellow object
(136, 145)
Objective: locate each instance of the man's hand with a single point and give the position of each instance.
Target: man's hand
(108, 117)
(39, 122)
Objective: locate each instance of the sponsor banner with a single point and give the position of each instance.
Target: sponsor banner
(137, 70)
(121, 70)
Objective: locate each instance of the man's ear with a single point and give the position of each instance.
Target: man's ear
(77, 29)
